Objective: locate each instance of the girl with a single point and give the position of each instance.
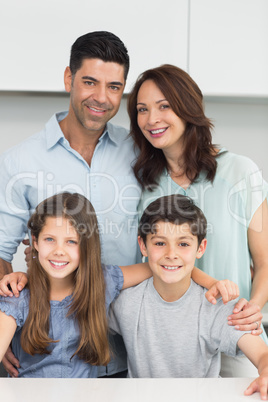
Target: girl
(173, 134)
(59, 321)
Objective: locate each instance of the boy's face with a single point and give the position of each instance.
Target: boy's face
(171, 252)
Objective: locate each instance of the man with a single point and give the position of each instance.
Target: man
(78, 151)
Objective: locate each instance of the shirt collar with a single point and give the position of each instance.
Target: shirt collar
(55, 135)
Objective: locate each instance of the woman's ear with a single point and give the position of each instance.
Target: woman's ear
(202, 248)
(142, 246)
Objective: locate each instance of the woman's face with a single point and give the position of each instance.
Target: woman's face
(157, 121)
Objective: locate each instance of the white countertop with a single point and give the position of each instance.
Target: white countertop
(125, 390)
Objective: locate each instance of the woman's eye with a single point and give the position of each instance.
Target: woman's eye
(141, 109)
(164, 106)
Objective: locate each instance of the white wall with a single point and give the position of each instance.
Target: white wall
(240, 125)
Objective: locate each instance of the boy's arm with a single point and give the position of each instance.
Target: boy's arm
(135, 274)
(226, 289)
(7, 330)
(257, 352)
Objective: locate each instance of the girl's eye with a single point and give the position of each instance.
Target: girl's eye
(72, 242)
(48, 239)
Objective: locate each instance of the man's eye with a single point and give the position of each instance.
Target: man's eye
(114, 88)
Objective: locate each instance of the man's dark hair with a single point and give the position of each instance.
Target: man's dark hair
(177, 209)
(99, 45)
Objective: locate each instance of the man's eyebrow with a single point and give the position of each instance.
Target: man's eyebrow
(88, 77)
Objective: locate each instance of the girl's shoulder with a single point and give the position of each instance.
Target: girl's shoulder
(17, 307)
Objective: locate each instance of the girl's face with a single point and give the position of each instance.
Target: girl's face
(157, 121)
(58, 248)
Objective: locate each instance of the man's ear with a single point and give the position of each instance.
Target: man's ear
(202, 248)
(68, 79)
(142, 246)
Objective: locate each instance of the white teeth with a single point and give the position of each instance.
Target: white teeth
(59, 264)
(160, 130)
(170, 268)
(96, 110)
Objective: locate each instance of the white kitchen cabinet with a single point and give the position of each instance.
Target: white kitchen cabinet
(228, 46)
(36, 37)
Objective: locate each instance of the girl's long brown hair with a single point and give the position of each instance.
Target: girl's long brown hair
(88, 300)
(186, 100)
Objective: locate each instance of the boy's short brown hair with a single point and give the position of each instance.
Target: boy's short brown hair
(177, 209)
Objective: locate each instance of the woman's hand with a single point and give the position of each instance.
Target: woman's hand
(15, 281)
(226, 289)
(246, 316)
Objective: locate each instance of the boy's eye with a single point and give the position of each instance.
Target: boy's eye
(184, 244)
(160, 243)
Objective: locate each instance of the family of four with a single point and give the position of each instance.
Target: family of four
(155, 182)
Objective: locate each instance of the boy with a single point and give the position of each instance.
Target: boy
(168, 326)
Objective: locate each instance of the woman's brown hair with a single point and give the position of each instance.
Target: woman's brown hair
(186, 100)
(87, 305)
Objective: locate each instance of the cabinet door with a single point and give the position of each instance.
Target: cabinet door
(228, 52)
(36, 37)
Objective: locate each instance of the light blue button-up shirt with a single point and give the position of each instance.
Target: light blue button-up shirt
(45, 164)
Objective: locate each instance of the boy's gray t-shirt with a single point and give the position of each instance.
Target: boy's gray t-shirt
(178, 339)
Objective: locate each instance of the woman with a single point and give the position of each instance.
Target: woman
(173, 135)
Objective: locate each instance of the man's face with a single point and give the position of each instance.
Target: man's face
(95, 93)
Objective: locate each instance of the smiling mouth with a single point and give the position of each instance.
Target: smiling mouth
(158, 132)
(58, 264)
(171, 268)
(93, 109)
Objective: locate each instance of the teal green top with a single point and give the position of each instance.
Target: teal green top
(229, 204)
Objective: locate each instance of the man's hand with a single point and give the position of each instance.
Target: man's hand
(226, 289)
(10, 363)
(27, 251)
(246, 316)
(258, 385)
(16, 281)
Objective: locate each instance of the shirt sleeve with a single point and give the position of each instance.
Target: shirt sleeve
(17, 307)
(14, 208)
(251, 187)
(114, 281)
(223, 337)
